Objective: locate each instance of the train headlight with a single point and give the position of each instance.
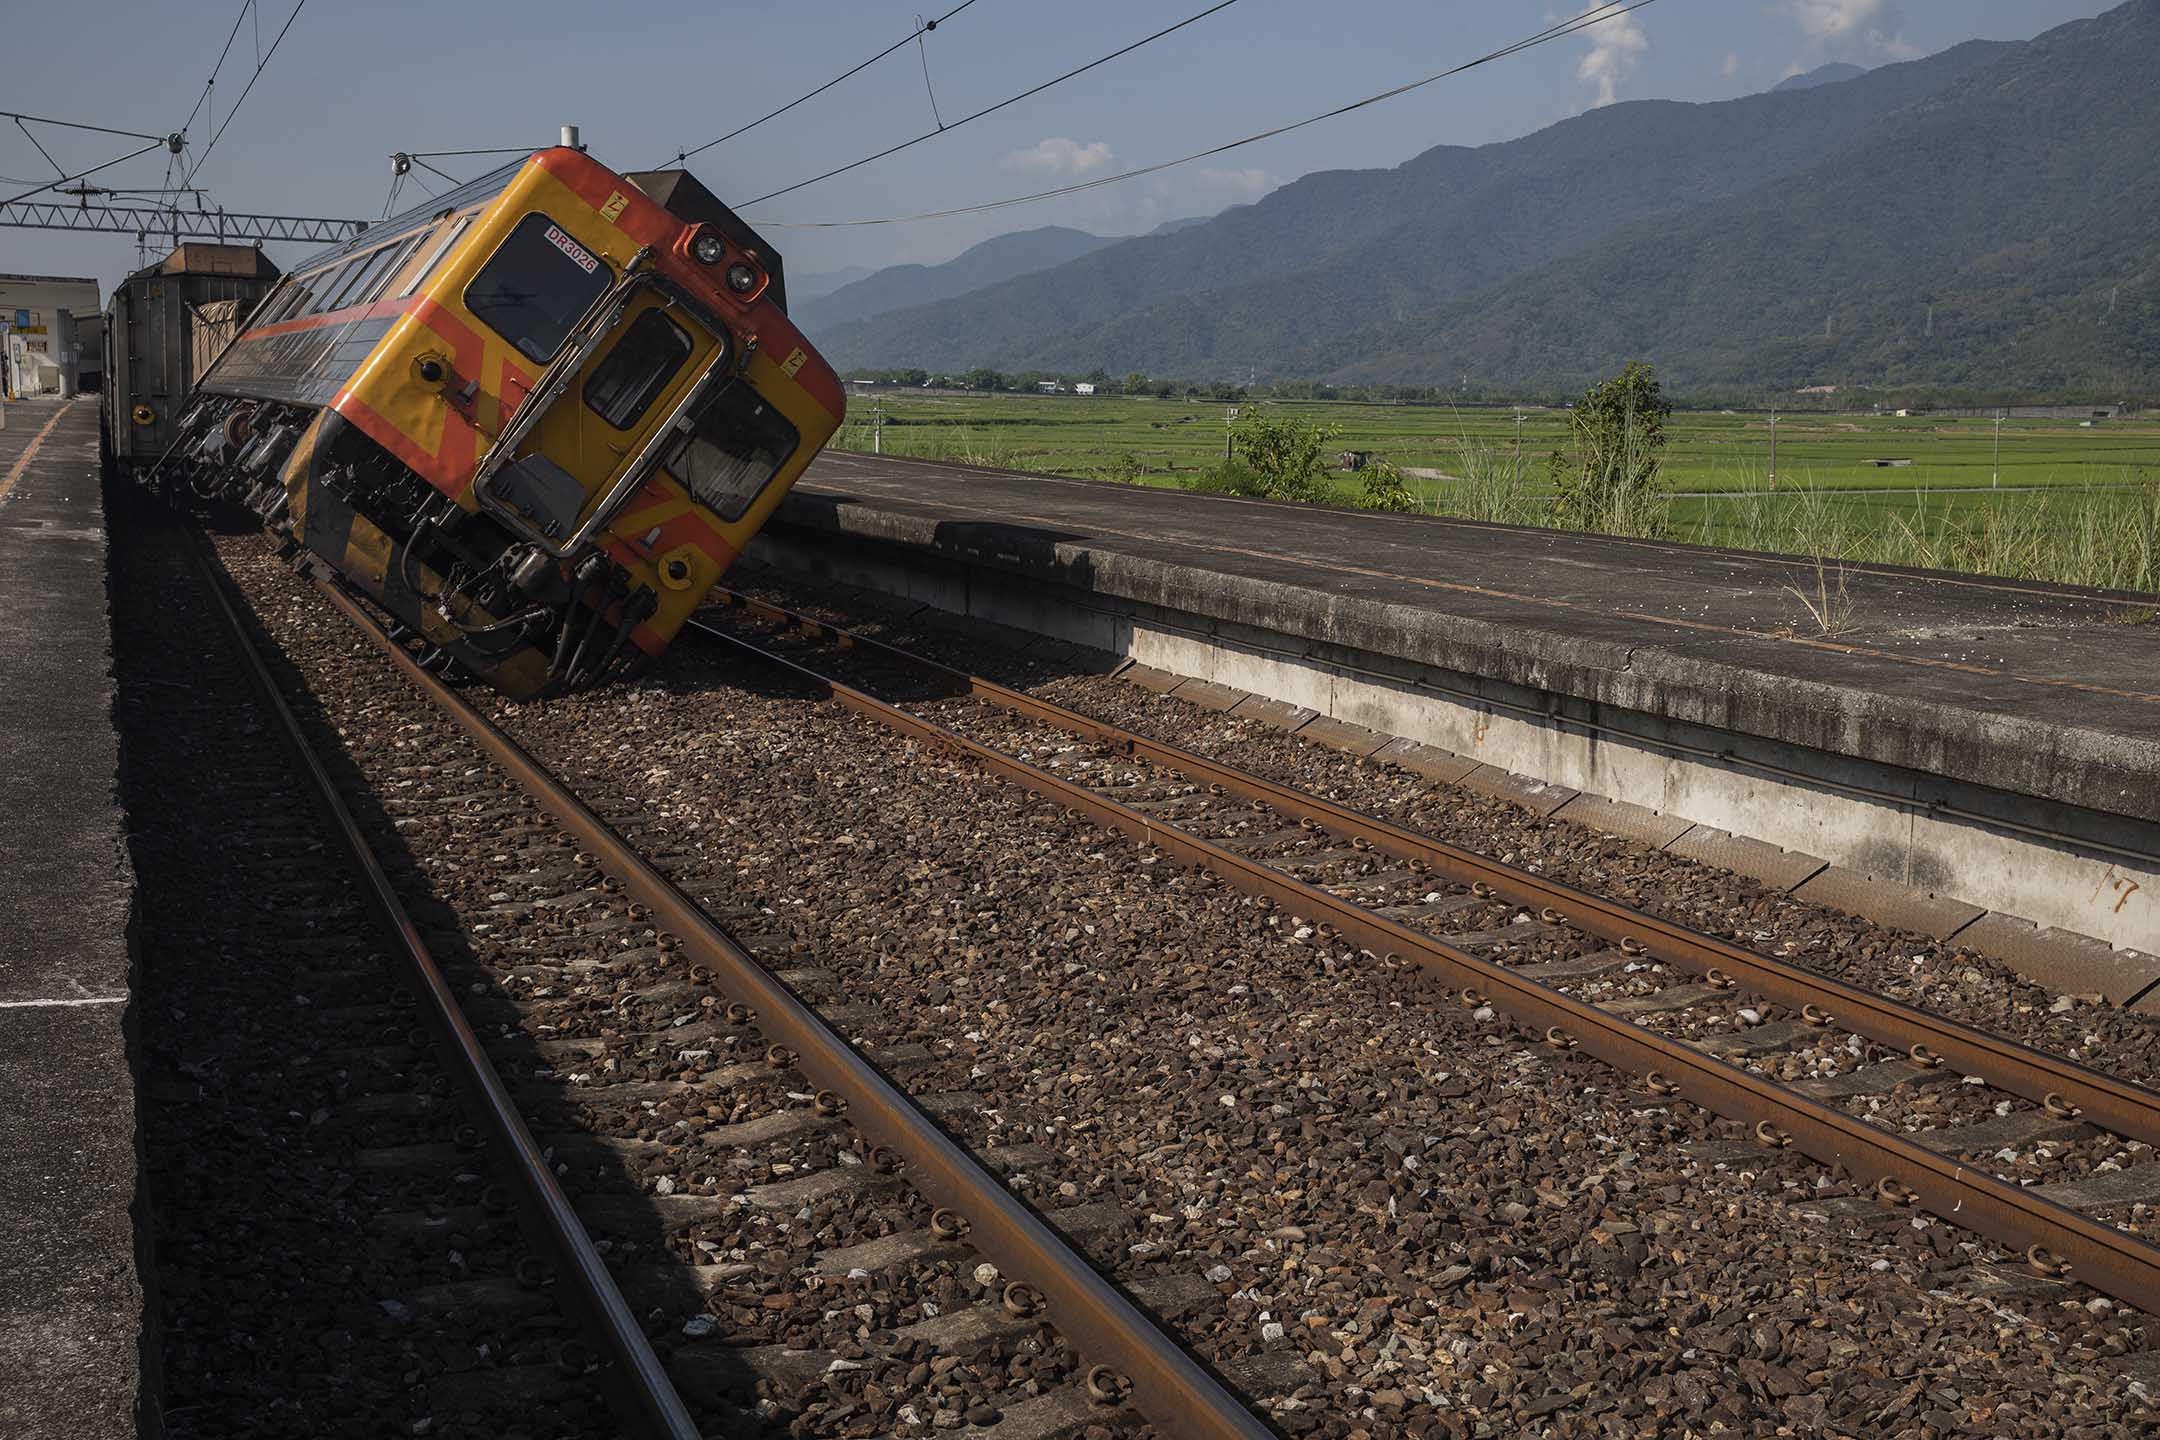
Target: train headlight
(741, 278)
(709, 248)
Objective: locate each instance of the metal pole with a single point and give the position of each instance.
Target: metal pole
(1773, 447)
(1997, 481)
(877, 429)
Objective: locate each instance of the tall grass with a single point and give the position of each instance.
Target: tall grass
(2108, 538)
(961, 445)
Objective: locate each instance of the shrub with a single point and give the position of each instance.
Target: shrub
(1386, 490)
(1611, 481)
(1285, 454)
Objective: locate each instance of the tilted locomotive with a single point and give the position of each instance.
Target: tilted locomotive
(534, 422)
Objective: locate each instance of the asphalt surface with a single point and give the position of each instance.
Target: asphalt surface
(71, 1303)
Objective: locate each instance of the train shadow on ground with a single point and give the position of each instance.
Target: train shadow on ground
(549, 1101)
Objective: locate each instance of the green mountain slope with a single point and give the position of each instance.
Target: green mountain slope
(1350, 248)
(2020, 203)
(999, 258)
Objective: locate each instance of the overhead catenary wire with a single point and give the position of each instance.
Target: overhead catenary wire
(493, 150)
(260, 66)
(82, 174)
(18, 118)
(1557, 31)
(922, 48)
(202, 99)
(1010, 100)
(58, 168)
(433, 171)
(922, 28)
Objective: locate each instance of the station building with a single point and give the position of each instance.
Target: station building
(42, 348)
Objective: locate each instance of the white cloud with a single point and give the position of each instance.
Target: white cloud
(1616, 48)
(1851, 29)
(1059, 156)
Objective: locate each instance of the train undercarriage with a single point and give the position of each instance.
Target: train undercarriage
(482, 598)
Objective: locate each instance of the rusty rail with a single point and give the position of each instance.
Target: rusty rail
(2120, 1106)
(638, 1373)
(2050, 1235)
(1168, 1386)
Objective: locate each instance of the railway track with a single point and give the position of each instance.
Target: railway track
(1916, 1111)
(305, 1145)
(804, 1244)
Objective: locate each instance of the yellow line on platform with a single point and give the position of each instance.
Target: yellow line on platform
(23, 461)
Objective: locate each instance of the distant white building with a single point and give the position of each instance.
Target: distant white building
(37, 332)
(1083, 388)
(1049, 387)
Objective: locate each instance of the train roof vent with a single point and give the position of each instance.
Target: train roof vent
(680, 193)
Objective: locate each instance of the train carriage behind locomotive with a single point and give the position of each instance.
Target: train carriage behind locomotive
(165, 324)
(535, 421)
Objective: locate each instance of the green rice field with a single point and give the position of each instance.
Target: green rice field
(2058, 500)
(1071, 435)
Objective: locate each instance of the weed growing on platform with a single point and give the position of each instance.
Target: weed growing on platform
(1829, 606)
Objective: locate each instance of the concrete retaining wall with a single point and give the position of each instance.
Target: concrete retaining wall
(2034, 881)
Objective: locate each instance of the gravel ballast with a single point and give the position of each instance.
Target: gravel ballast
(1426, 1223)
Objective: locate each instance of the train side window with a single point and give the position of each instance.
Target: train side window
(646, 356)
(363, 278)
(303, 296)
(328, 286)
(536, 286)
(281, 303)
(443, 247)
(397, 255)
(737, 443)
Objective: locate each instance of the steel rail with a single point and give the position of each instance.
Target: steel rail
(638, 1371)
(2113, 1104)
(1168, 1385)
(2053, 1237)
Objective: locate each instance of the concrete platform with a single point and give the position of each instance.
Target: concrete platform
(1960, 746)
(71, 1302)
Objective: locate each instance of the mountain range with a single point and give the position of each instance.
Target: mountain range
(1982, 217)
(865, 293)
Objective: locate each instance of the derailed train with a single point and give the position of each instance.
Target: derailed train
(534, 422)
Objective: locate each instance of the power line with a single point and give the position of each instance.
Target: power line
(245, 6)
(260, 66)
(1611, 10)
(497, 150)
(920, 30)
(1000, 105)
(432, 170)
(78, 125)
(80, 174)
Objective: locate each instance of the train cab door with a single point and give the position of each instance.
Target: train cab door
(577, 451)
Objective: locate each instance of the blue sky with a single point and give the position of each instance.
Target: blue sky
(355, 82)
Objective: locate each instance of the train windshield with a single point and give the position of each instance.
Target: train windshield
(733, 446)
(536, 286)
(623, 386)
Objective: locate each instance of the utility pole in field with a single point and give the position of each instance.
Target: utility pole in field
(1518, 446)
(1773, 447)
(1996, 482)
(877, 426)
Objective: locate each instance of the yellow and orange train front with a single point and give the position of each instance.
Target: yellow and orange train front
(558, 355)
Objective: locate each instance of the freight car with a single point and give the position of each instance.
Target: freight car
(534, 420)
(164, 326)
